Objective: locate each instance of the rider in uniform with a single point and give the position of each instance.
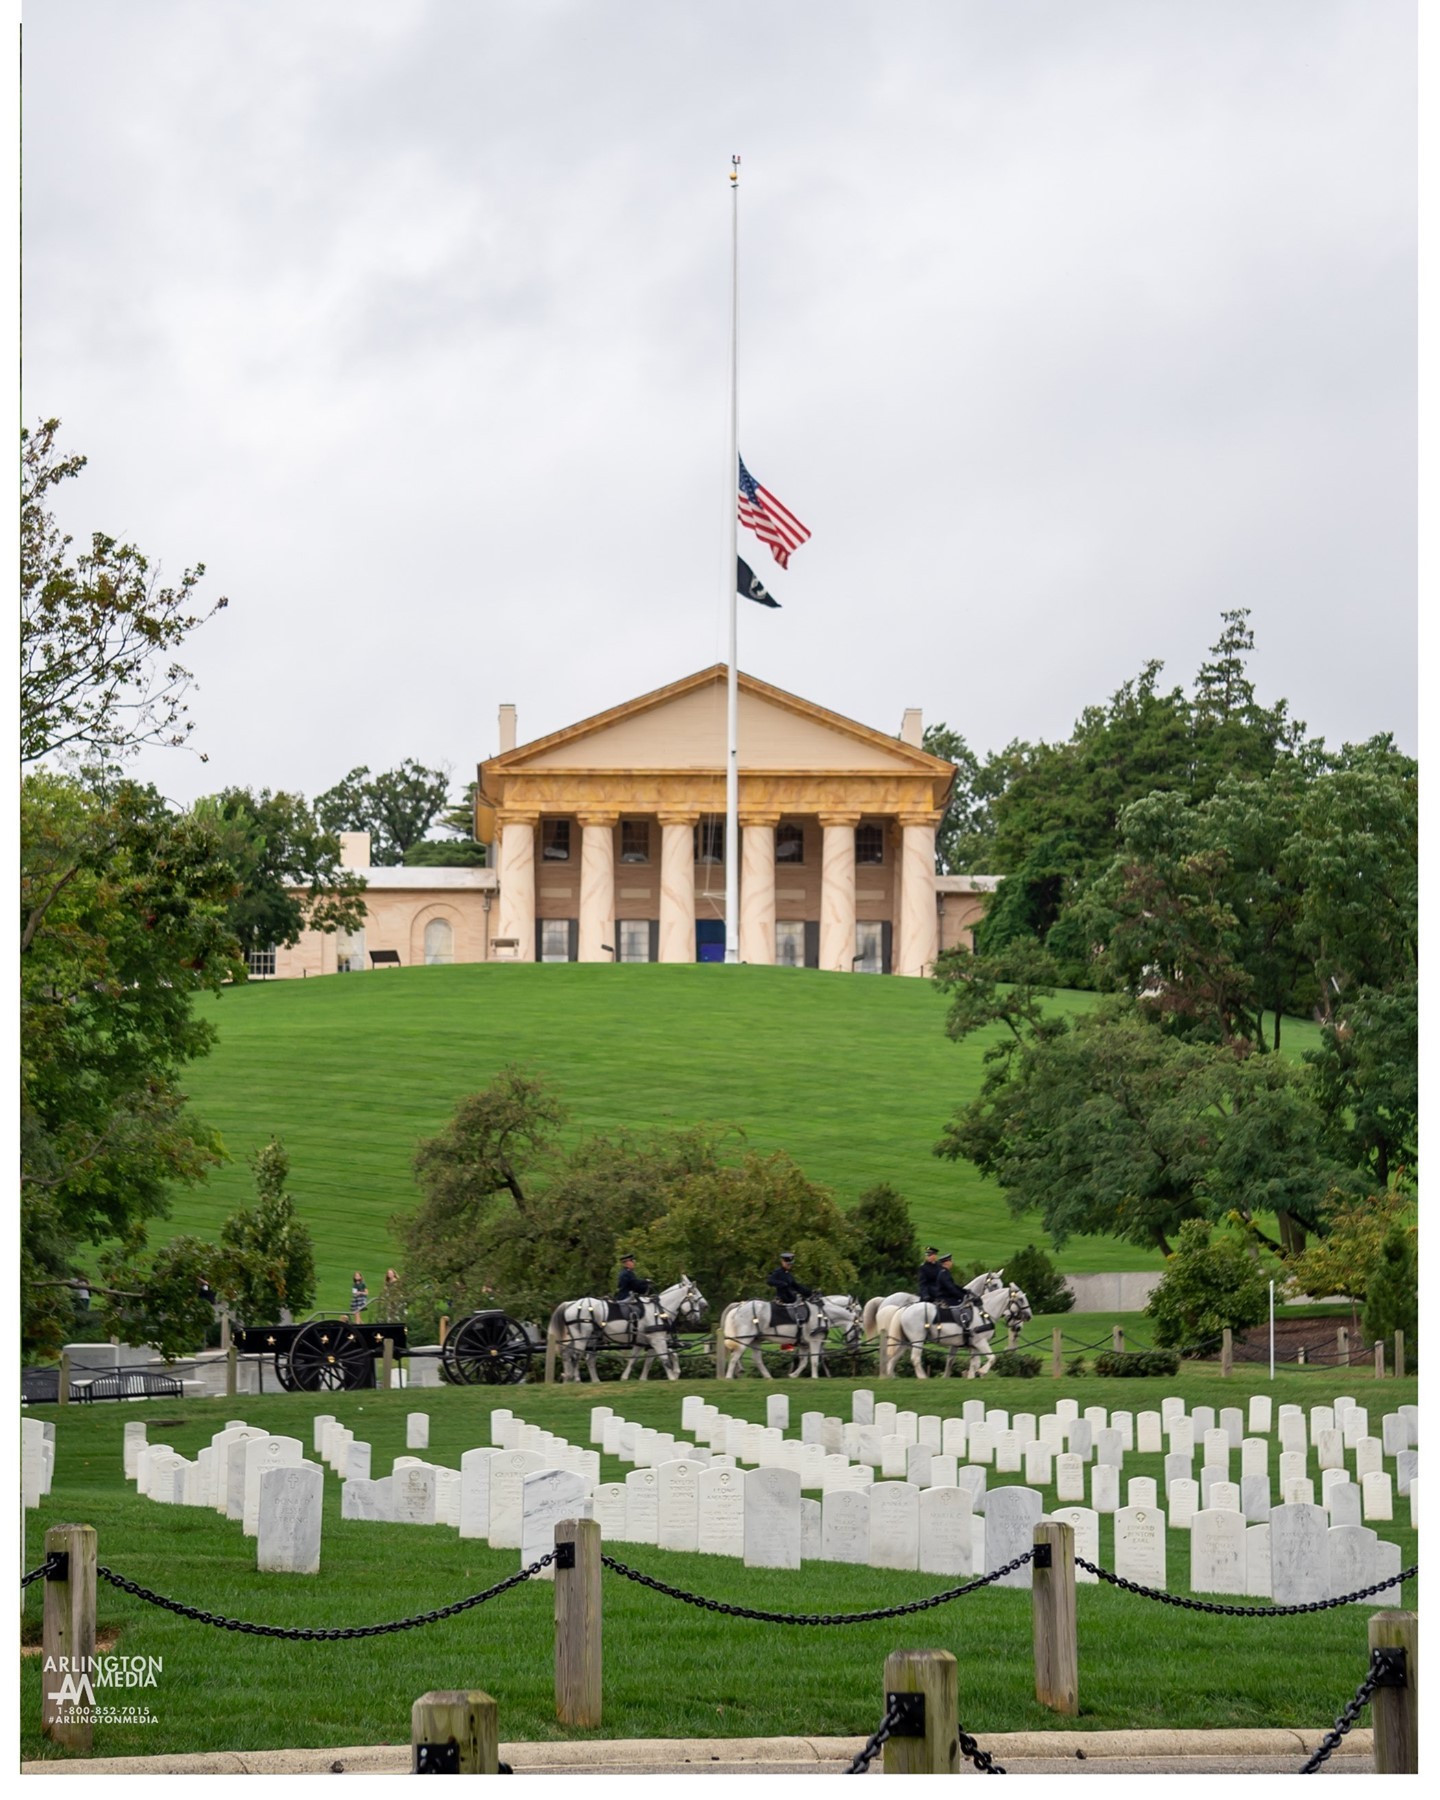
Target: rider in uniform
(631, 1289)
(788, 1291)
(947, 1290)
(929, 1274)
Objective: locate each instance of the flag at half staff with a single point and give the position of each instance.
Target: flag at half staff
(771, 522)
(748, 583)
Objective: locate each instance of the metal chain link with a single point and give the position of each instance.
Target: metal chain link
(49, 1563)
(316, 1634)
(779, 1618)
(864, 1757)
(982, 1759)
(1349, 1714)
(1245, 1612)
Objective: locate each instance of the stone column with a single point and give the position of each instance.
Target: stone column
(757, 888)
(517, 882)
(597, 886)
(837, 891)
(916, 925)
(677, 887)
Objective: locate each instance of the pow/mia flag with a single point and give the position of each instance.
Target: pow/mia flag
(748, 585)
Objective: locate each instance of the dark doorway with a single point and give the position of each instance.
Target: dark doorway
(710, 940)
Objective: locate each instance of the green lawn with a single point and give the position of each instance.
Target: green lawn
(855, 1078)
(670, 1670)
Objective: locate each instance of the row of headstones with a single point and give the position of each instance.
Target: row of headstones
(248, 1474)
(37, 1460)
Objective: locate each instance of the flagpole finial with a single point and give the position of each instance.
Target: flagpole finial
(734, 171)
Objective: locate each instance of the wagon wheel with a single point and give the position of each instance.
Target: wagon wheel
(489, 1349)
(328, 1355)
(282, 1371)
(448, 1371)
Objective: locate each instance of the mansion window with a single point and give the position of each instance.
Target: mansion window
(262, 962)
(634, 940)
(790, 844)
(710, 841)
(634, 840)
(557, 940)
(869, 845)
(869, 947)
(439, 942)
(555, 840)
(790, 943)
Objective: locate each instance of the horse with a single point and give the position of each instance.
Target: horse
(581, 1327)
(913, 1325)
(745, 1324)
(880, 1313)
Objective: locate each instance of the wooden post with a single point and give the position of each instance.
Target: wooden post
(387, 1363)
(62, 1386)
(935, 1674)
(444, 1328)
(1227, 1351)
(1400, 1354)
(1395, 1712)
(231, 1373)
(467, 1719)
(1056, 1356)
(550, 1357)
(224, 1324)
(1342, 1345)
(1379, 1359)
(1117, 1339)
(1052, 1604)
(577, 1624)
(719, 1353)
(69, 1637)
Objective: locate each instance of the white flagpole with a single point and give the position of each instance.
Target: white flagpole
(732, 692)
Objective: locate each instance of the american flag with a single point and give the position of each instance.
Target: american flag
(771, 522)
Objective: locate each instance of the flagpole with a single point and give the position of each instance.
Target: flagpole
(732, 689)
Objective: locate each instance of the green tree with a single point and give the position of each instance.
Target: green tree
(1212, 1280)
(1343, 1259)
(882, 1243)
(1368, 1079)
(964, 840)
(397, 807)
(269, 1255)
(726, 1227)
(288, 875)
(1393, 1301)
(1039, 1280)
(446, 853)
(96, 630)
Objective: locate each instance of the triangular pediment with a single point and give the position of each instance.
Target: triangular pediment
(683, 726)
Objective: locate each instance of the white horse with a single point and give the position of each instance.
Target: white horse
(747, 1324)
(880, 1313)
(580, 1328)
(911, 1326)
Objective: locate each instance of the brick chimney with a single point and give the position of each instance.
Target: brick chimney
(507, 727)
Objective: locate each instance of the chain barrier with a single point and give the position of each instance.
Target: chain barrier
(50, 1562)
(779, 1618)
(1245, 1612)
(1380, 1674)
(874, 1743)
(982, 1759)
(317, 1633)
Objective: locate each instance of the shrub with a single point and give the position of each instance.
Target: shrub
(1076, 1366)
(1042, 1283)
(881, 1241)
(1392, 1298)
(1016, 1362)
(1137, 1362)
(1210, 1282)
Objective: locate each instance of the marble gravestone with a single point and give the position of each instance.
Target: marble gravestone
(1299, 1554)
(608, 1504)
(1105, 1487)
(1376, 1495)
(546, 1497)
(845, 1525)
(642, 1506)
(1342, 1503)
(1257, 1561)
(288, 1520)
(417, 1431)
(475, 1492)
(677, 1517)
(1069, 1477)
(810, 1530)
(1140, 1490)
(1354, 1563)
(262, 1454)
(946, 1539)
(135, 1431)
(361, 1499)
(1258, 1415)
(720, 1512)
(412, 1493)
(1086, 1526)
(895, 1525)
(508, 1469)
(1140, 1545)
(772, 1518)
(1184, 1501)
(1011, 1514)
(862, 1406)
(1148, 1439)
(1217, 1551)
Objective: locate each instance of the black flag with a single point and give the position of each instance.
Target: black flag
(747, 582)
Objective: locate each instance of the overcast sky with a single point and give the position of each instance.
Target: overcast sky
(1064, 325)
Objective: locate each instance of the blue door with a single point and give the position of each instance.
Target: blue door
(710, 940)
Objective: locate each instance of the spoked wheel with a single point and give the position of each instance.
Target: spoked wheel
(282, 1371)
(330, 1355)
(489, 1349)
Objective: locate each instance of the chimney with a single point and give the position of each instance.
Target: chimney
(911, 731)
(354, 849)
(507, 727)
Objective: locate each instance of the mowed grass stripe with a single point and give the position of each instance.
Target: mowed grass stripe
(855, 1078)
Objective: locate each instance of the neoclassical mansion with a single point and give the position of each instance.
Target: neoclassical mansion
(607, 843)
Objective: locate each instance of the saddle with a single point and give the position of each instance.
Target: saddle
(789, 1312)
(955, 1315)
(620, 1309)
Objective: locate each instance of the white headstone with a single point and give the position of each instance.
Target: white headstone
(1050, 1429)
(1080, 1438)
(1140, 1490)
(1069, 1477)
(1254, 1457)
(1217, 1450)
(777, 1411)
(288, 1523)
(1105, 1487)
(1232, 1422)
(1255, 1499)
(892, 1455)
(447, 1496)
(772, 1519)
(261, 1454)
(946, 1537)
(599, 1414)
(1299, 1554)
(1011, 1514)
(1148, 1440)
(417, 1431)
(508, 1470)
(546, 1497)
(918, 1461)
(501, 1417)
(1353, 1561)
(1292, 1432)
(413, 1493)
(1405, 1466)
(845, 1526)
(1203, 1419)
(1343, 1503)
(1181, 1437)
(475, 1493)
(1109, 1448)
(720, 1512)
(676, 1505)
(812, 1427)
(1259, 1415)
(1257, 1561)
(361, 1499)
(1217, 1552)
(894, 1525)
(930, 1431)
(642, 1506)
(1086, 1525)
(1039, 1464)
(1298, 1493)
(1376, 1496)
(1027, 1426)
(1292, 1465)
(1065, 1410)
(1224, 1496)
(981, 1447)
(1368, 1457)
(1322, 1418)
(952, 1437)
(1330, 1450)
(862, 1406)
(1140, 1545)
(608, 1503)
(1357, 1425)
(318, 1427)
(811, 1547)
(1183, 1496)
(134, 1442)
(885, 1411)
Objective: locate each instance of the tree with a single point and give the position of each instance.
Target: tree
(882, 1243)
(1344, 1259)
(397, 808)
(1039, 1280)
(1212, 1281)
(288, 875)
(1368, 1080)
(446, 853)
(726, 1226)
(269, 1256)
(1393, 1301)
(966, 833)
(95, 629)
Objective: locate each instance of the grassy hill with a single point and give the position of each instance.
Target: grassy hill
(854, 1077)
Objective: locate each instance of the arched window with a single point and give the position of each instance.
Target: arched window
(439, 942)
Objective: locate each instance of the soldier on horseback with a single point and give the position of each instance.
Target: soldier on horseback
(788, 1291)
(949, 1293)
(929, 1275)
(631, 1290)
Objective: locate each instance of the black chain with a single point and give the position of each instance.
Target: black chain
(1245, 1612)
(864, 1757)
(49, 1563)
(982, 1759)
(315, 1634)
(1351, 1712)
(779, 1618)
